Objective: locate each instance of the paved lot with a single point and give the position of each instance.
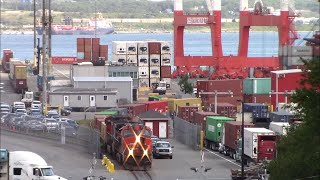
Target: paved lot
(69, 160)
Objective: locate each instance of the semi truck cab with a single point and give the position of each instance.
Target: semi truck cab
(25, 165)
(161, 88)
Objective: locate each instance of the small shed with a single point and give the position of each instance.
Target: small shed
(158, 122)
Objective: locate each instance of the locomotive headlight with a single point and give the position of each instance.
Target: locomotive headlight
(145, 152)
(130, 152)
(137, 139)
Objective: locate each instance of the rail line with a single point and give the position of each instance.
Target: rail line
(141, 175)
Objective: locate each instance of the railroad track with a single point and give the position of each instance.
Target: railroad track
(141, 175)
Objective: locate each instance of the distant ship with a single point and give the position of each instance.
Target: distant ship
(99, 27)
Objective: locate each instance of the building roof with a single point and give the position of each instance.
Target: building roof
(84, 91)
(60, 83)
(152, 115)
(127, 79)
(287, 71)
(258, 130)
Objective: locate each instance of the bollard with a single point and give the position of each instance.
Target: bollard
(111, 168)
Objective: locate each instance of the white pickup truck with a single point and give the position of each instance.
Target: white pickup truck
(25, 165)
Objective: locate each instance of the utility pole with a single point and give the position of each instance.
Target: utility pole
(49, 39)
(44, 56)
(34, 35)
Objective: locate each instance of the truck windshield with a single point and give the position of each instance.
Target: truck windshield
(47, 171)
(162, 84)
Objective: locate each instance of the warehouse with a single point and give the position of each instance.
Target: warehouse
(82, 98)
(122, 84)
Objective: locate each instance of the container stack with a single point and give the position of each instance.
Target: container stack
(119, 51)
(291, 55)
(143, 63)
(165, 63)
(187, 112)
(89, 50)
(258, 110)
(257, 90)
(154, 62)
(132, 53)
(225, 109)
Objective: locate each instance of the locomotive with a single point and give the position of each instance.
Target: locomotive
(128, 142)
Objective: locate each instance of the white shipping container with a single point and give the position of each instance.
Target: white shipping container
(143, 72)
(296, 61)
(279, 128)
(251, 140)
(119, 47)
(119, 59)
(144, 82)
(154, 81)
(298, 51)
(143, 48)
(247, 117)
(132, 47)
(154, 59)
(132, 59)
(165, 47)
(143, 60)
(154, 72)
(165, 60)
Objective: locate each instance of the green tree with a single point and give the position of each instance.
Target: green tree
(185, 85)
(298, 153)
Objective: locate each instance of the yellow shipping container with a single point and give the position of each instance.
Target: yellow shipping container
(173, 104)
(142, 89)
(20, 72)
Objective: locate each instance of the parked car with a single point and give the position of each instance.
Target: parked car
(50, 123)
(35, 112)
(34, 125)
(65, 111)
(6, 118)
(162, 149)
(36, 105)
(21, 111)
(69, 129)
(154, 139)
(53, 114)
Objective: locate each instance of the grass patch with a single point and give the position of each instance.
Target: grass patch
(84, 122)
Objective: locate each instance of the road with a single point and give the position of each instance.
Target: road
(73, 161)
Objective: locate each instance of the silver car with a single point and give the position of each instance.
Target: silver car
(162, 149)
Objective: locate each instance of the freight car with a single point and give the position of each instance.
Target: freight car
(7, 55)
(127, 141)
(18, 76)
(214, 131)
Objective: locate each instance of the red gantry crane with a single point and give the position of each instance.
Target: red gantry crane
(231, 66)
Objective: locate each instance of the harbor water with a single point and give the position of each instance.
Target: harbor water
(261, 44)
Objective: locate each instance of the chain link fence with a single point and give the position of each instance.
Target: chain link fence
(86, 137)
(187, 133)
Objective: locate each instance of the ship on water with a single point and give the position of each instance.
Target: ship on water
(98, 26)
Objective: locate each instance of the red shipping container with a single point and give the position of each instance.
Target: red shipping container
(80, 44)
(87, 45)
(200, 118)
(159, 106)
(210, 99)
(284, 80)
(257, 98)
(134, 109)
(232, 132)
(95, 41)
(165, 71)
(233, 85)
(63, 60)
(154, 47)
(7, 55)
(103, 50)
(187, 112)
(95, 56)
(225, 109)
(87, 55)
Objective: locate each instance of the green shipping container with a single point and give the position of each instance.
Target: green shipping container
(107, 113)
(214, 127)
(257, 86)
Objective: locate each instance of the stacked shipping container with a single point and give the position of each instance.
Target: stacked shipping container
(154, 62)
(257, 90)
(225, 109)
(187, 112)
(7, 55)
(88, 50)
(143, 63)
(165, 62)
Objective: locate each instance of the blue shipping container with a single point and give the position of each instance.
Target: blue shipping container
(258, 110)
(281, 116)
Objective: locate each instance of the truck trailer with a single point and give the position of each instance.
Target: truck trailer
(25, 165)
